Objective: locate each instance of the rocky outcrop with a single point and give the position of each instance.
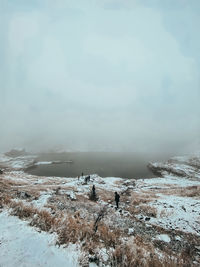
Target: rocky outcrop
(178, 166)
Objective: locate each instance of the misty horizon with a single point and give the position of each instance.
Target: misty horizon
(100, 76)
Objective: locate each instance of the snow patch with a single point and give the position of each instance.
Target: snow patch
(43, 163)
(164, 238)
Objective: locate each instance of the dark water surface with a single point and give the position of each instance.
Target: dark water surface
(105, 164)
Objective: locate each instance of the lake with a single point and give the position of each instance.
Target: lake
(105, 164)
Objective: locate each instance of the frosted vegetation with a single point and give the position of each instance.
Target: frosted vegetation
(46, 221)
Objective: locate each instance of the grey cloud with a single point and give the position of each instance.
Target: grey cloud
(103, 75)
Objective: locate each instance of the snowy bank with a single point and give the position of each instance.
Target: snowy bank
(22, 245)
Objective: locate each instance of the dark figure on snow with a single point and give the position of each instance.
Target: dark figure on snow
(93, 195)
(87, 179)
(82, 174)
(117, 197)
(93, 190)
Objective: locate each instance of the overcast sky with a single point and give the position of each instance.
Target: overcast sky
(100, 75)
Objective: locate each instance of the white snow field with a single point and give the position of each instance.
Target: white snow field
(22, 246)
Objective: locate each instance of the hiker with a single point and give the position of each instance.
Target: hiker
(87, 179)
(117, 197)
(93, 190)
(93, 195)
(82, 174)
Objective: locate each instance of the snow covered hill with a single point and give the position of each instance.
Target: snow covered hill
(158, 216)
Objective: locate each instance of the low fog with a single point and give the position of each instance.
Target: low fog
(95, 75)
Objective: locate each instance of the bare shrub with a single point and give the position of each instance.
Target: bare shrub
(99, 218)
(123, 255)
(165, 213)
(144, 209)
(39, 218)
(148, 210)
(107, 196)
(130, 255)
(141, 198)
(44, 220)
(190, 191)
(22, 211)
(74, 230)
(4, 200)
(108, 236)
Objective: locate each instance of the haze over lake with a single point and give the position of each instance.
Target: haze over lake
(100, 75)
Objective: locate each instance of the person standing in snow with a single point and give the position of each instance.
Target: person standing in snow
(117, 197)
(93, 195)
(93, 190)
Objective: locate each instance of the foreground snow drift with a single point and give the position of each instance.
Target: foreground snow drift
(21, 245)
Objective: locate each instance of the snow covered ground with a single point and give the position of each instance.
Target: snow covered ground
(178, 213)
(21, 245)
(163, 210)
(16, 163)
(186, 166)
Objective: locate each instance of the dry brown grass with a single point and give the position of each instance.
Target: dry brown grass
(78, 227)
(4, 200)
(142, 197)
(8, 183)
(128, 254)
(75, 229)
(45, 221)
(144, 209)
(22, 211)
(138, 253)
(39, 218)
(139, 204)
(107, 196)
(165, 213)
(190, 191)
(110, 237)
(149, 210)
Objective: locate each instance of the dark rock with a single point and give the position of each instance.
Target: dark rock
(183, 208)
(151, 214)
(57, 190)
(23, 195)
(94, 258)
(61, 206)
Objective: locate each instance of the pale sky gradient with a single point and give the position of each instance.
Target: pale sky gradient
(100, 75)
